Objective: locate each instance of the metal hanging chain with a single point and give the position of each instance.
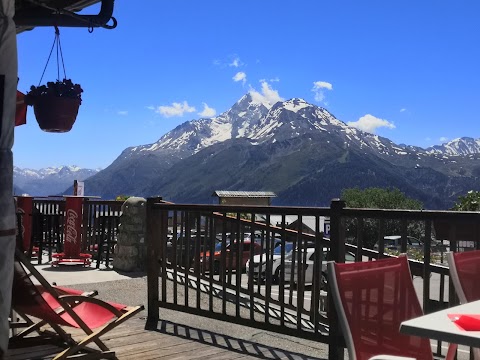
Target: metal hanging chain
(59, 49)
(56, 41)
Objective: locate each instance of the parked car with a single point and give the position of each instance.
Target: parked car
(394, 242)
(260, 263)
(185, 250)
(231, 256)
(309, 255)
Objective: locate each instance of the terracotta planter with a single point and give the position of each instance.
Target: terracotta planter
(56, 114)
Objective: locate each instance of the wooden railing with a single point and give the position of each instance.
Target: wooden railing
(182, 238)
(99, 228)
(188, 247)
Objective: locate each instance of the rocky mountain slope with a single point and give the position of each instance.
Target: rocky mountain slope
(298, 150)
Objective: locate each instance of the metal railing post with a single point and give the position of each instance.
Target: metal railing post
(153, 270)
(337, 253)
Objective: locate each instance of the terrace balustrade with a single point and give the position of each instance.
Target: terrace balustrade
(100, 220)
(190, 267)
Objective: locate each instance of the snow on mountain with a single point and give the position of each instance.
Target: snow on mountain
(198, 134)
(261, 122)
(51, 180)
(44, 172)
(294, 138)
(460, 146)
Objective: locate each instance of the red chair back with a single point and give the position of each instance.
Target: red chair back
(465, 271)
(42, 303)
(372, 299)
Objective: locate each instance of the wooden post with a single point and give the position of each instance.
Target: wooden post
(25, 205)
(337, 253)
(153, 251)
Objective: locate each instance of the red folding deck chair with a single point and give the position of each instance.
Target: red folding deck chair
(62, 307)
(372, 299)
(464, 269)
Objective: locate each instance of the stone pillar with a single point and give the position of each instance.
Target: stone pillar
(130, 253)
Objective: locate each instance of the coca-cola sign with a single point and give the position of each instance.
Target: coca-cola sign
(71, 234)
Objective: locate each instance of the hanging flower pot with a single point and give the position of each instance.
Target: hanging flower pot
(55, 105)
(56, 114)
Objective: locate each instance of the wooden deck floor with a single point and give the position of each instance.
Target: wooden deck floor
(168, 341)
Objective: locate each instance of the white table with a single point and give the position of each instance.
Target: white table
(438, 326)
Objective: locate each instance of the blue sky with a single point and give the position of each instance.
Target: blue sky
(406, 70)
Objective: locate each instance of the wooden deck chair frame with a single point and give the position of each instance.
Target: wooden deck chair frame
(30, 326)
(344, 323)
(74, 349)
(457, 284)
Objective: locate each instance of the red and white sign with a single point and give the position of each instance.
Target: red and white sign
(73, 227)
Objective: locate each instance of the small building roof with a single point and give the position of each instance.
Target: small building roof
(243, 194)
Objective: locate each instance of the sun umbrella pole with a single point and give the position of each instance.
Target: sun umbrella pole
(8, 87)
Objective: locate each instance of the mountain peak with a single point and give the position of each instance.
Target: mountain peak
(459, 146)
(296, 104)
(265, 100)
(249, 102)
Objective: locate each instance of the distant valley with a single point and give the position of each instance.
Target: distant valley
(48, 181)
(296, 149)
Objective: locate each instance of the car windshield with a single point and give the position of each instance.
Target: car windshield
(390, 242)
(278, 249)
(414, 242)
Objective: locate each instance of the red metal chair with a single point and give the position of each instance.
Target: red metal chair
(464, 271)
(63, 307)
(464, 268)
(372, 299)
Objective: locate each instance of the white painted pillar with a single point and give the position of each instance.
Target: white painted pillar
(8, 86)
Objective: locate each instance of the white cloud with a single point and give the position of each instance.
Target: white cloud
(322, 85)
(122, 112)
(370, 123)
(229, 61)
(240, 76)
(403, 110)
(319, 88)
(207, 111)
(443, 139)
(236, 62)
(176, 109)
(268, 96)
(150, 107)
